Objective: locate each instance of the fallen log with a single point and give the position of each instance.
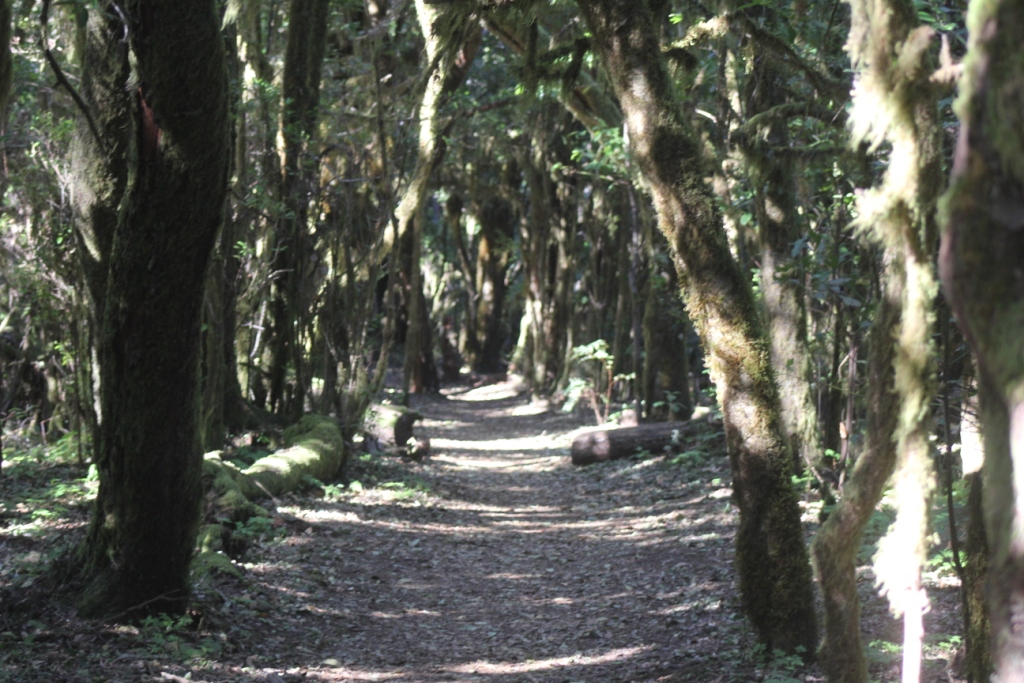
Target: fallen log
(314, 448)
(616, 444)
(391, 425)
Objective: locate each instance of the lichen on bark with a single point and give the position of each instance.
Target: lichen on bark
(893, 104)
(982, 249)
(771, 558)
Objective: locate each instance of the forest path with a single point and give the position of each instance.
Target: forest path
(512, 566)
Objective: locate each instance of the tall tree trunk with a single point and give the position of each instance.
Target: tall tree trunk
(666, 385)
(778, 228)
(771, 558)
(982, 247)
(533, 355)
(140, 540)
(304, 55)
(838, 542)
(445, 33)
(497, 224)
(978, 662)
(898, 215)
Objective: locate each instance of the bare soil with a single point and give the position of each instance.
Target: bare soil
(492, 560)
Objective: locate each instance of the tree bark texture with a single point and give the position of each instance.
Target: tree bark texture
(771, 558)
(837, 544)
(893, 104)
(304, 56)
(494, 249)
(666, 366)
(175, 118)
(982, 249)
(445, 32)
(779, 227)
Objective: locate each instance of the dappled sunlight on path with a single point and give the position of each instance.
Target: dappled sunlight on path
(511, 564)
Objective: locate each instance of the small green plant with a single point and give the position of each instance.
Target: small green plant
(255, 529)
(692, 457)
(671, 401)
(882, 651)
(406, 489)
(779, 667)
(784, 668)
(597, 353)
(642, 454)
(162, 634)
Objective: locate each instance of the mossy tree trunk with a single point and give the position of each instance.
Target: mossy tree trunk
(771, 558)
(169, 132)
(895, 104)
(978, 662)
(778, 228)
(980, 261)
(837, 544)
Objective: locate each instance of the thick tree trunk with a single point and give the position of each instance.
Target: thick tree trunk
(141, 536)
(980, 263)
(771, 558)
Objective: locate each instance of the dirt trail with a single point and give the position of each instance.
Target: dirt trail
(516, 566)
(493, 560)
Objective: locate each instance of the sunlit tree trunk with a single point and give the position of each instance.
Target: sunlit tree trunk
(779, 227)
(170, 131)
(838, 542)
(982, 248)
(771, 558)
(446, 31)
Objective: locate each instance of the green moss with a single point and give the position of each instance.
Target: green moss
(317, 451)
(211, 538)
(207, 564)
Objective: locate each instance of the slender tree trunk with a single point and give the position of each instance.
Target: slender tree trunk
(890, 55)
(838, 542)
(771, 558)
(778, 229)
(304, 55)
(140, 540)
(446, 69)
(539, 266)
(497, 223)
(978, 662)
(980, 264)
(666, 385)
